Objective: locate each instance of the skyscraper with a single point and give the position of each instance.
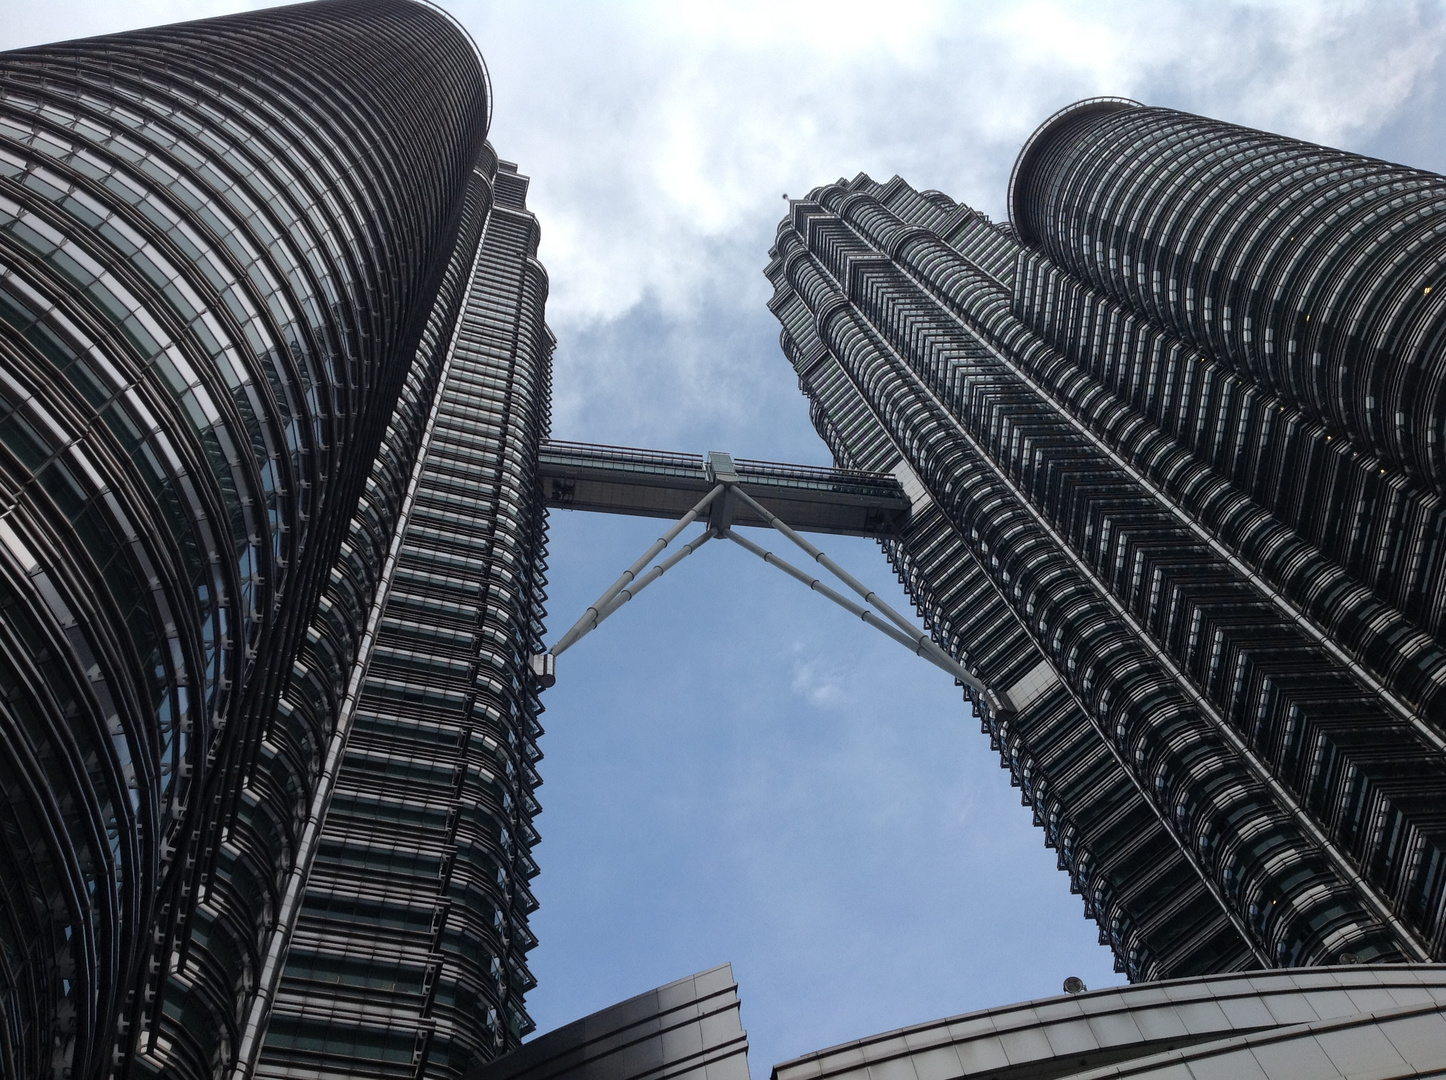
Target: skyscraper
(267, 299)
(1175, 435)
(409, 937)
(275, 379)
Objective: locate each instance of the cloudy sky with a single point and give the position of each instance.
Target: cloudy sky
(735, 770)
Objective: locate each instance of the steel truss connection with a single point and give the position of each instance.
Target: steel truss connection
(726, 498)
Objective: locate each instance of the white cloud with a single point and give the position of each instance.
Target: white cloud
(819, 681)
(660, 136)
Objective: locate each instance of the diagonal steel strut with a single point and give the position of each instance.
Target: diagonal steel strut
(629, 585)
(921, 642)
(600, 609)
(632, 590)
(913, 639)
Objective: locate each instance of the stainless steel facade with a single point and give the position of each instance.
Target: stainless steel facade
(1176, 426)
(1166, 470)
(410, 937)
(266, 297)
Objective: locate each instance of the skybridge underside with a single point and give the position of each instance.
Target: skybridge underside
(650, 483)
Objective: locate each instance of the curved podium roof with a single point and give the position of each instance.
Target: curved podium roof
(1363, 1022)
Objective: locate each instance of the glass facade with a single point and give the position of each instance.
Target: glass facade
(272, 367)
(1176, 423)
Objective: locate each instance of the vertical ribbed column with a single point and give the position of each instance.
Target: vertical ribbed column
(410, 950)
(220, 244)
(1311, 276)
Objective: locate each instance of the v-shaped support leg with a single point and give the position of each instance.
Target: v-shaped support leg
(721, 499)
(544, 665)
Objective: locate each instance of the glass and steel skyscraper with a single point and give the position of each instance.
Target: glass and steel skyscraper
(1167, 453)
(1175, 436)
(273, 372)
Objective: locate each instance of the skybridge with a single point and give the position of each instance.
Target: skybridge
(652, 483)
(722, 492)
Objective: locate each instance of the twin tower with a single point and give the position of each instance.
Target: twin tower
(1169, 452)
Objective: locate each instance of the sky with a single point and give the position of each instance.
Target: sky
(735, 770)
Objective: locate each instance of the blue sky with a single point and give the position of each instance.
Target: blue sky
(736, 770)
